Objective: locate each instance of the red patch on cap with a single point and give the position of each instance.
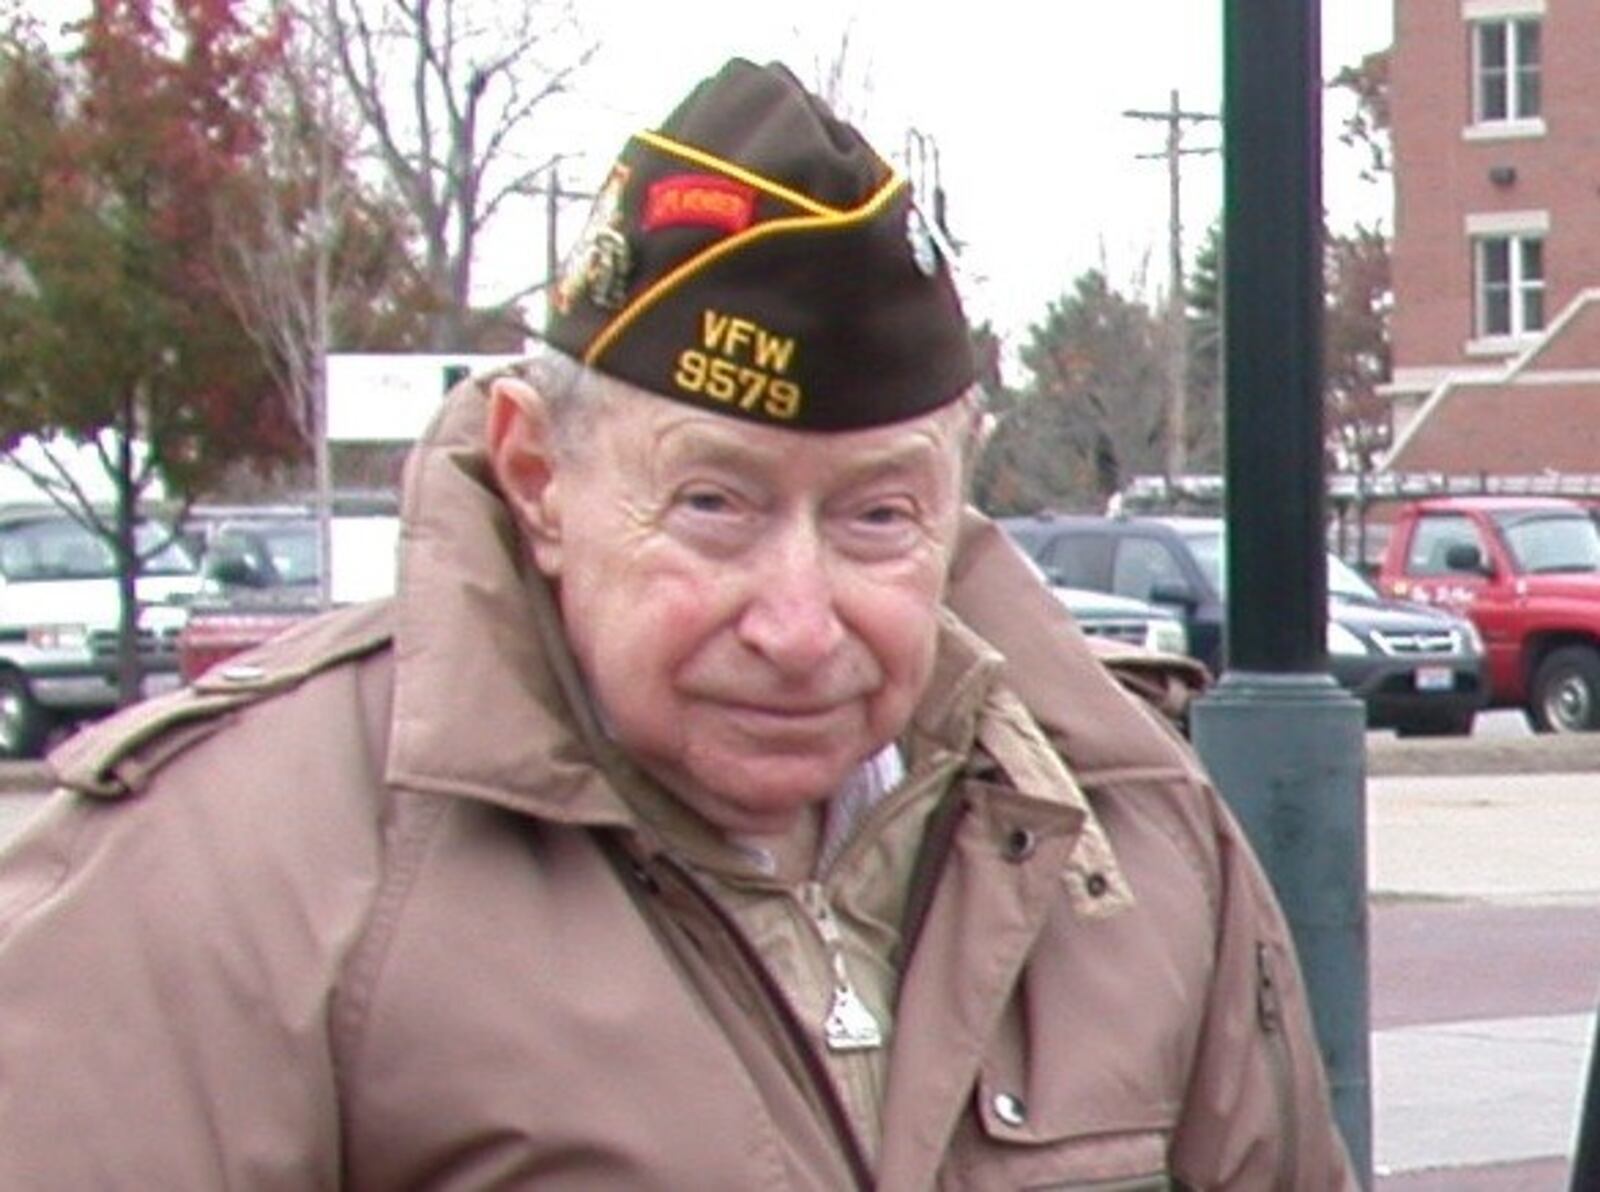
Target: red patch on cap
(699, 200)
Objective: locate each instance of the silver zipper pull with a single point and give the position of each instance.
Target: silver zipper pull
(849, 1026)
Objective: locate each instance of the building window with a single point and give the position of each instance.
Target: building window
(1509, 273)
(1506, 70)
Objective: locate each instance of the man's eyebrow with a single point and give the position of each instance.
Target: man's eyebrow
(894, 458)
(700, 446)
(713, 448)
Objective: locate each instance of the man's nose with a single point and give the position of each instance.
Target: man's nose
(791, 617)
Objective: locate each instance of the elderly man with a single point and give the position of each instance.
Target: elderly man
(716, 806)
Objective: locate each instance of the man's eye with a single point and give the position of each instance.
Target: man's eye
(885, 515)
(706, 501)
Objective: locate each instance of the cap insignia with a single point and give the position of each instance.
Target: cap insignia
(600, 260)
(924, 250)
(607, 272)
(701, 200)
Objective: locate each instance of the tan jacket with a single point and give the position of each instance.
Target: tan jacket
(376, 909)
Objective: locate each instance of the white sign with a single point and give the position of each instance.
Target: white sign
(365, 554)
(390, 397)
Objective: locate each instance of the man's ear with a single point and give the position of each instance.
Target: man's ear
(522, 455)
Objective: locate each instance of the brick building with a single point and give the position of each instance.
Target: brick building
(1496, 123)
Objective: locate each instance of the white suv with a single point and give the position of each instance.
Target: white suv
(59, 618)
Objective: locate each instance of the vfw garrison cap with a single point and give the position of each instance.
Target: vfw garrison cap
(755, 256)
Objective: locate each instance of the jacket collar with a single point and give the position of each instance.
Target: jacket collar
(482, 706)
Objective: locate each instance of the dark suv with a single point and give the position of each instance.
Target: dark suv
(260, 557)
(1418, 670)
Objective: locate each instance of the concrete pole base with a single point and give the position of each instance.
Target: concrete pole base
(1287, 751)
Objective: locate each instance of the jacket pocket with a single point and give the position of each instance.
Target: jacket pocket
(1046, 1147)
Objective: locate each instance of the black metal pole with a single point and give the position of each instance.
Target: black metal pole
(1285, 743)
(1272, 233)
(1585, 1176)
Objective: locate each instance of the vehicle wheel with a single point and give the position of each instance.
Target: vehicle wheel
(1453, 724)
(1566, 692)
(24, 725)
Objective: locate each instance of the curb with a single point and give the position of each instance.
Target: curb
(1557, 753)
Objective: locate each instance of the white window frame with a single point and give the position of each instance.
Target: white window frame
(1516, 228)
(1499, 10)
(1514, 122)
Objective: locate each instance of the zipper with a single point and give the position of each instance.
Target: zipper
(1269, 1013)
(816, 1072)
(849, 1026)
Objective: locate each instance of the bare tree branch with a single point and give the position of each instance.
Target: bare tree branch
(450, 93)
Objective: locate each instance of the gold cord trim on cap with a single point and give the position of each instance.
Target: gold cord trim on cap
(710, 160)
(826, 218)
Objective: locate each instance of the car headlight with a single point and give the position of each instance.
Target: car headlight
(58, 637)
(1342, 640)
(1471, 639)
(1166, 637)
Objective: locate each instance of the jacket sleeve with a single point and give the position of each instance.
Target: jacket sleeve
(162, 1006)
(1257, 1114)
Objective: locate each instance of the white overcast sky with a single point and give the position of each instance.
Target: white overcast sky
(1025, 100)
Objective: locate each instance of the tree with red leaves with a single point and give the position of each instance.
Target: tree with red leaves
(115, 332)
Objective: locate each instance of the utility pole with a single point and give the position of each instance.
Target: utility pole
(321, 333)
(554, 194)
(552, 221)
(1175, 461)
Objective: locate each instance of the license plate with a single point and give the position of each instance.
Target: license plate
(1435, 678)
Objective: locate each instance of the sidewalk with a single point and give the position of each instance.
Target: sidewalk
(1485, 1102)
(1477, 1093)
(1526, 838)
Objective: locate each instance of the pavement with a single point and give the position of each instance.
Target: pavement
(1483, 862)
(1487, 1082)
(1484, 872)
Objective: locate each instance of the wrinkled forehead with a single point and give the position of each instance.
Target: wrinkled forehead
(668, 434)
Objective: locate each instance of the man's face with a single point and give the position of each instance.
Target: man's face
(754, 609)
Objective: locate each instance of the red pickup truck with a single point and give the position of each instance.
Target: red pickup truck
(1526, 571)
